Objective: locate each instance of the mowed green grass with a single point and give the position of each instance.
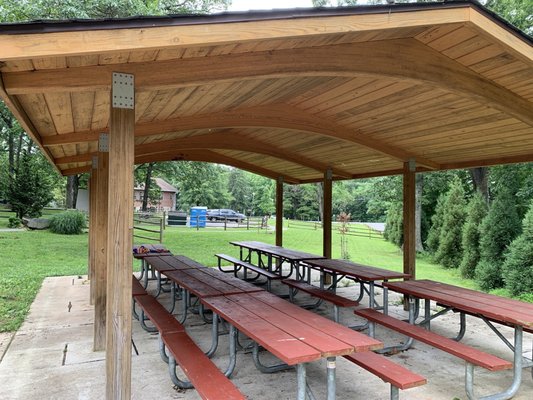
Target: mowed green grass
(30, 256)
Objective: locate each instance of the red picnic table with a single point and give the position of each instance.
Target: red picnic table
(364, 274)
(295, 258)
(295, 335)
(490, 308)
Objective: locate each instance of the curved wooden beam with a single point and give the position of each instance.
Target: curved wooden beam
(234, 141)
(226, 141)
(213, 157)
(271, 116)
(401, 59)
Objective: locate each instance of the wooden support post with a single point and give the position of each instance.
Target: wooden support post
(100, 274)
(92, 225)
(326, 214)
(279, 211)
(119, 238)
(409, 193)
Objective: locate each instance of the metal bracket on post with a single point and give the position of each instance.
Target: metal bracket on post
(123, 91)
(329, 174)
(103, 143)
(94, 162)
(412, 165)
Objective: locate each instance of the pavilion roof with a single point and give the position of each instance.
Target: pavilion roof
(360, 90)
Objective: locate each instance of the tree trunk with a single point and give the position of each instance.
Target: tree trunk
(419, 246)
(480, 179)
(73, 182)
(147, 183)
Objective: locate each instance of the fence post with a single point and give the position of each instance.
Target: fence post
(197, 222)
(248, 223)
(225, 222)
(164, 219)
(161, 228)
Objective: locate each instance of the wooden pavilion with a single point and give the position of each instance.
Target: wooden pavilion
(305, 95)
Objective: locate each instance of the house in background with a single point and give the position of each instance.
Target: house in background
(168, 196)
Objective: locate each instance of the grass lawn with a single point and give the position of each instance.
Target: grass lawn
(29, 256)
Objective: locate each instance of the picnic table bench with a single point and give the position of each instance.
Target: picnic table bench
(203, 374)
(367, 276)
(294, 258)
(489, 308)
(323, 294)
(246, 266)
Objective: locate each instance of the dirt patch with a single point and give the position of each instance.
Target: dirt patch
(5, 339)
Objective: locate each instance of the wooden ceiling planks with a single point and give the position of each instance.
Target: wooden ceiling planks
(431, 120)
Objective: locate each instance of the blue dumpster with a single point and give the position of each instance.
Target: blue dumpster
(198, 217)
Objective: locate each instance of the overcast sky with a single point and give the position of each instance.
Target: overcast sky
(244, 5)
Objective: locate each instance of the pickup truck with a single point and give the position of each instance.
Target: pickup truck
(224, 214)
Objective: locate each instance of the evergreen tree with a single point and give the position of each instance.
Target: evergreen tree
(394, 224)
(433, 239)
(31, 187)
(450, 250)
(518, 265)
(477, 210)
(499, 228)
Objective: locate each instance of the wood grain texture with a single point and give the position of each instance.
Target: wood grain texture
(327, 214)
(100, 273)
(409, 244)
(119, 254)
(93, 185)
(279, 211)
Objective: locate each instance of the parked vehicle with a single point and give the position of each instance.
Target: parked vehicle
(224, 214)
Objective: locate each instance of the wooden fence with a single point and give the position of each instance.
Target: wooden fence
(354, 229)
(148, 227)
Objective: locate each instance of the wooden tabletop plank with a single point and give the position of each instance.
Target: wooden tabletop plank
(359, 341)
(326, 343)
(159, 264)
(482, 297)
(218, 284)
(184, 262)
(192, 284)
(359, 271)
(278, 251)
(455, 300)
(286, 347)
(245, 287)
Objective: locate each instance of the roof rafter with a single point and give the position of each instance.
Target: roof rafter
(413, 61)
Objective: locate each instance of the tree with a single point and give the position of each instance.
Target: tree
(201, 184)
(394, 224)
(433, 239)
(449, 252)
(518, 265)
(30, 189)
(517, 12)
(25, 10)
(471, 235)
(499, 228)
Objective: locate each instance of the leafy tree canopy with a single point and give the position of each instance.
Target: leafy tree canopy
(29, 10)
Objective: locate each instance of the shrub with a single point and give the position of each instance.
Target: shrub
(433, 239)
(518, 265)
(499, 228)
(68, 223)
(450, 250)
(13, 222)
(477, 210)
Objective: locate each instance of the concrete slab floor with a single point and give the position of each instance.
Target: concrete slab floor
(51, 357)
